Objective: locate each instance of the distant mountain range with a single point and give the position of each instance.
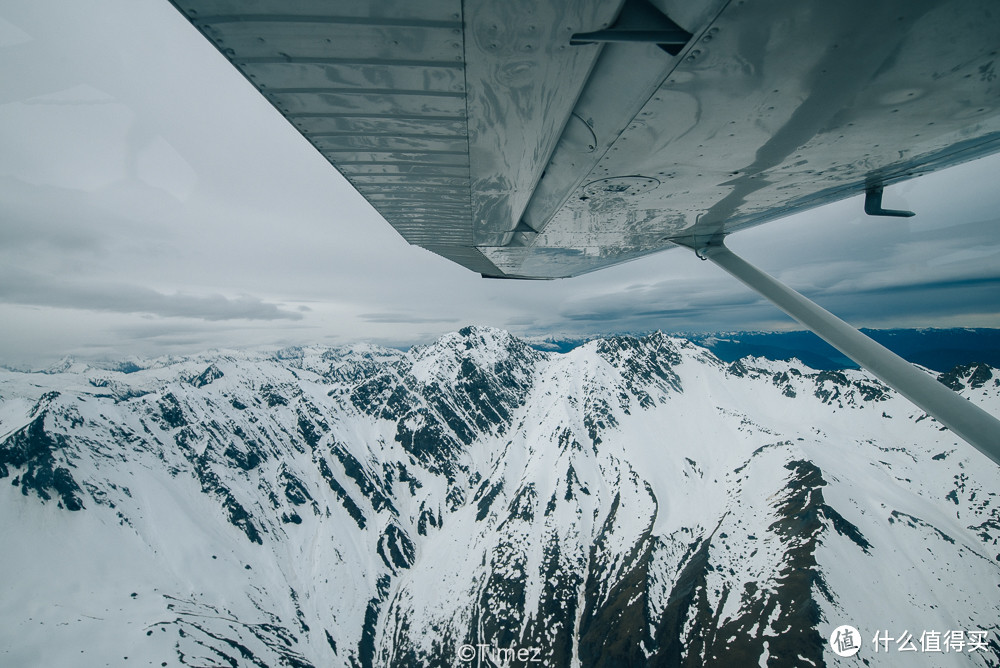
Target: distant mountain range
(636, 501)
(938, 349)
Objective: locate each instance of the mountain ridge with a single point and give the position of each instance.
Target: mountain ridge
(635, 500)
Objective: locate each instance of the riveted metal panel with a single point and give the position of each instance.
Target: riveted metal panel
(387, 10)
(268, 37)
(775, 108)
(321, 125)
(524, 78)
(391, 142)
(363, 102)
(355, 76)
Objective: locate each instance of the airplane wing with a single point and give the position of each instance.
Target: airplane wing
(548, 138)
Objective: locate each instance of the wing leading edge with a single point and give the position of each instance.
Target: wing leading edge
(536, 139)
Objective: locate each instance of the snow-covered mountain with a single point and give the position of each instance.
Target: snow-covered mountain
(633, 502)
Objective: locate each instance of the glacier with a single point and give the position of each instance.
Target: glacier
(632, 502)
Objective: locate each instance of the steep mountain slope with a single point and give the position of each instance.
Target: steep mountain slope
(634, 502)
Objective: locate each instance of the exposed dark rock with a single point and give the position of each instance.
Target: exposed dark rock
(211, 373)
(349, 505)
(396, 549)
(245, 460)
(33, 449)
(171, 412)
(272, 396)
(973, 376)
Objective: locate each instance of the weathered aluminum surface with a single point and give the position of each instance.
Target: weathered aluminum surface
(524, 79)
(778, 108)
(480, 133)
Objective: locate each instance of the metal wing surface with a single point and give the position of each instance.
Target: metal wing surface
(548, 138)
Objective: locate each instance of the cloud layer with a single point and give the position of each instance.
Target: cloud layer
(37, 290)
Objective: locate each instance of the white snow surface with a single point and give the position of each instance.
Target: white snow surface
(625, 501)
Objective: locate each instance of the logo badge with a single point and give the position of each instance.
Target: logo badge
(845, 640)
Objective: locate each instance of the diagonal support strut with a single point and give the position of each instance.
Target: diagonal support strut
(968, 421)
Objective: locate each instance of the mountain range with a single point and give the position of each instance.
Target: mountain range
(635, 501)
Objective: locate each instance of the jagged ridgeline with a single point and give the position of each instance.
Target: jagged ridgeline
(632, 502)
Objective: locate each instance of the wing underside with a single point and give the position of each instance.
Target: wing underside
(536, 139)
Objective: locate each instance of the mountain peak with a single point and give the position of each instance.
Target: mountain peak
(485, 348)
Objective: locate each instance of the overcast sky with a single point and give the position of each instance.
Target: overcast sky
(152, 202)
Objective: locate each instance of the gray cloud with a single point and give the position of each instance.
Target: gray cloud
(403, 318)
(986, 282)
(38, 290)
(662, 304)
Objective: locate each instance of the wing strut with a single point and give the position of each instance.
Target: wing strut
(967, 420)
